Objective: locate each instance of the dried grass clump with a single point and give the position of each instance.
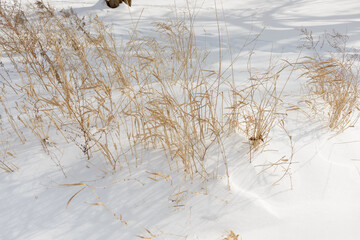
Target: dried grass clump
(176, 105)
(68, 69)
(333, 81)
(232, 236)
(256, 109)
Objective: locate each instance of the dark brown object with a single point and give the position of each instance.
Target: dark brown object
(128, 2)
(113, 3)
(116, 3)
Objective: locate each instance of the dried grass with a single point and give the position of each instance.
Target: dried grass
(332, 81)
(232, 236)
(112, 101)
(70, 69)
(61, 86)
(152, 93)
(256, 108)
(6, 153)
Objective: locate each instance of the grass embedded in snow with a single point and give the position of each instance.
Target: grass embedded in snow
(155, 134)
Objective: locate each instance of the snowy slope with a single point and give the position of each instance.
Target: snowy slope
(320, 201)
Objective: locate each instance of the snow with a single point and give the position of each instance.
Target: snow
(320, 201)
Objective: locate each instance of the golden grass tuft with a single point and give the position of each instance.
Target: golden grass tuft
(62, 82)
(232, 236)
(256, 108)
(332, 81)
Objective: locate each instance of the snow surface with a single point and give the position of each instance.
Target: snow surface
(324, 202)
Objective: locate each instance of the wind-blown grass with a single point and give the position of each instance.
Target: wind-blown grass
(332, 81)
(150, 93)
